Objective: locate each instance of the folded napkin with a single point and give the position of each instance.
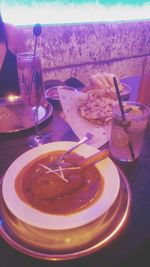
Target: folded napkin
(70, 101)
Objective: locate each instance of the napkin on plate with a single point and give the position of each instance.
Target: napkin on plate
(70, 102)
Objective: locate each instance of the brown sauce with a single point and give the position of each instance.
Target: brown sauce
(50, 194)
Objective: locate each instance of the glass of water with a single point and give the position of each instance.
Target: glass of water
(128, 133)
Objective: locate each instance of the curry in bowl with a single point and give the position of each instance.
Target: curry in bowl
(59, 191)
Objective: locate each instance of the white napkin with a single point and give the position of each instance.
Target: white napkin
(70, 101)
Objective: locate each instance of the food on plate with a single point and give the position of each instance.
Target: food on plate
(102, 80)
(97, 107)
(101, 97)
(50, 189)
(15, 116)
(7, 119)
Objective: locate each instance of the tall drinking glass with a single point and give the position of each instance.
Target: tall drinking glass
(132, 133)
(32, 90)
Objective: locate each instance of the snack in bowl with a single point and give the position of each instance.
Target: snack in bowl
(52, 96)
(102, 80)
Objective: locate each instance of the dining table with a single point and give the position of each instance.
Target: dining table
(130, 247)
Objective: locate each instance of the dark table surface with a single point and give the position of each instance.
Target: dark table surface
(131, 246)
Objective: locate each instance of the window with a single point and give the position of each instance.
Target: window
(25, 12)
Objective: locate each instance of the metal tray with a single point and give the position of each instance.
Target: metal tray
(108, 228)
(17, 116)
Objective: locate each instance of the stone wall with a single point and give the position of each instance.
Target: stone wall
(84, 49)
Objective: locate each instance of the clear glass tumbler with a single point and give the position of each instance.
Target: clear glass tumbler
(129, 134)
(32, 90)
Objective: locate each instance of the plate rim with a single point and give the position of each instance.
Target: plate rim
(45, 221)
(49, 111)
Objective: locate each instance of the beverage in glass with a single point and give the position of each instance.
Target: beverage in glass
(128, 134)
(30, 78)
(32, 90)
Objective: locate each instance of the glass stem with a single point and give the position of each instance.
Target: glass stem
(37, 133)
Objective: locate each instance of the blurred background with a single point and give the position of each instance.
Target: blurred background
(73, 11)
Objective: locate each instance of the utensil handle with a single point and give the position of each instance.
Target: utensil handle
(87, 137)
(94, 158)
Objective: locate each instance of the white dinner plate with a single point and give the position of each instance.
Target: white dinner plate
(43, 220)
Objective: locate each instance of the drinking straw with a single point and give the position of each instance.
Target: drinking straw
(37, 29)
(123, 115)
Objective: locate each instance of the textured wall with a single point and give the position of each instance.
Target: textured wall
(83, 49)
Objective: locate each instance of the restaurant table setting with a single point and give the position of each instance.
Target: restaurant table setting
(90, 109)
(98, 211)
(49, 236)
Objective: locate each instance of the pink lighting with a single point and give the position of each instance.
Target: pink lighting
(60, 14)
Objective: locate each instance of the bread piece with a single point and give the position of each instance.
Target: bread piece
(97, 108)
(103, 80)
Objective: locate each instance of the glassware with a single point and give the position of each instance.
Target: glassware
(126, 92)
(32, 91)
(132, 133)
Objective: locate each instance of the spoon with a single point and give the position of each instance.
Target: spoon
(37, 29)
(87, 137)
